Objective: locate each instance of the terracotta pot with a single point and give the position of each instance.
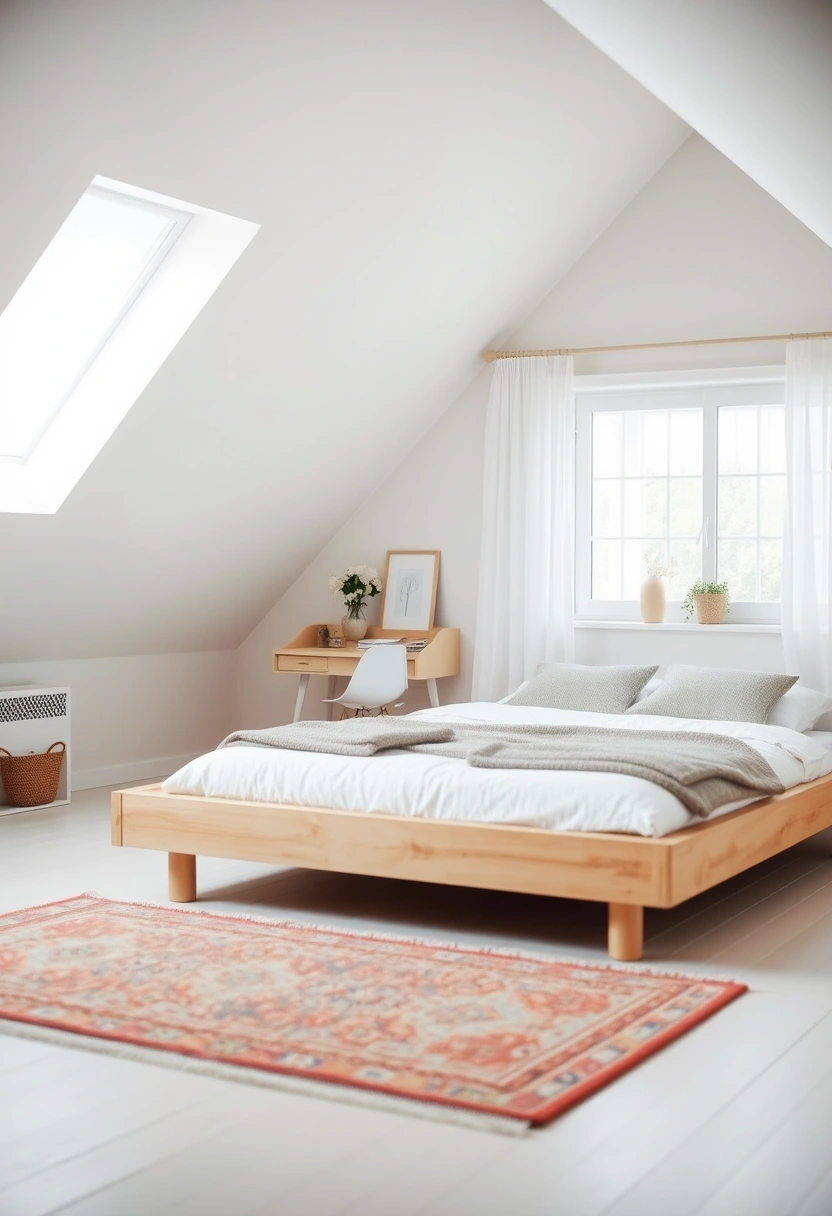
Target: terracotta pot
(354, 627)
(710, 609)
(653, 600)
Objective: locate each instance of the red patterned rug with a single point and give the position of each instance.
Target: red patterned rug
(503, 1034)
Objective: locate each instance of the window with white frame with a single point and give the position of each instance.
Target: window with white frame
(111, 295)
(687, 471)
(107, 249)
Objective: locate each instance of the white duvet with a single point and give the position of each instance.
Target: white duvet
(432, 787)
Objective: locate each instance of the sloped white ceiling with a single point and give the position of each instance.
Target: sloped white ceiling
(753, 76)
(423, 174)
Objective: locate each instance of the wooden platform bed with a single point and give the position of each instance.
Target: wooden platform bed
(627, 872)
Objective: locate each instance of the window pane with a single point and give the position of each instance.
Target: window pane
(607, 432)
(685, 442)
(689, 567)
(646, 438)
(752, 442)
(645, 507)
(606, 570)
(738, 567)
(606, 508)
(635, 561)
(648, 477)
(68, 305)
(772, 505)
(772, 439)
(771, 560)
(636, 505)
(738, 506)
(738, 439)
(685, 506)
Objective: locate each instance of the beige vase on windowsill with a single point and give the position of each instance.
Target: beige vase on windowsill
(653, 600)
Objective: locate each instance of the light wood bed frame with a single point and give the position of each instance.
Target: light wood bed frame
(627, 872)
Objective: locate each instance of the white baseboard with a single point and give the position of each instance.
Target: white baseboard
(130, 770)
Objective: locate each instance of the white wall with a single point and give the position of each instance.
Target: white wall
(141, 716)
(405, 163)
(752, 76)
(392, 154)
(701, 252)
(432, 501)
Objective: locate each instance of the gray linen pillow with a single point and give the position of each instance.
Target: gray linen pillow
(719, 694)
(602, 690)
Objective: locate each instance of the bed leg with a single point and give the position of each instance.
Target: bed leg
(181, 878)
(625, 936)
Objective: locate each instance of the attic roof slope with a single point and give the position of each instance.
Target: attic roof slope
(422, 174)
(754, 77)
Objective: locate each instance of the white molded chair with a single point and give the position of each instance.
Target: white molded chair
(379, 677)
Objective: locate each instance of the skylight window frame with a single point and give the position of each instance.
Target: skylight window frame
(178, 219)
(171, 298)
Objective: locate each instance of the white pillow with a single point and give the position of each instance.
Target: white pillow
(649, 688)
(505, 700)
(799, 708)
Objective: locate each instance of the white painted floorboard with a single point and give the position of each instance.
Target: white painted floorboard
(732, 1119)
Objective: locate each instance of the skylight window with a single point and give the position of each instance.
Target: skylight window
(112, 294)
(101, 257)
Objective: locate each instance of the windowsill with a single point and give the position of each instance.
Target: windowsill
(680, 626)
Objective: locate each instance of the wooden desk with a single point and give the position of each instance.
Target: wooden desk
(304, 657)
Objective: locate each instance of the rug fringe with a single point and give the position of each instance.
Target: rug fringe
(324, 1091)
(394, 938)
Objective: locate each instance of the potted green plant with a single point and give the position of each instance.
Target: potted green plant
(709, 601)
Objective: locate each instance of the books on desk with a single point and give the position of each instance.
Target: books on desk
(412, 646)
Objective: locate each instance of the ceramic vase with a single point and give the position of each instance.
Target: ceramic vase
(710, 609)
(354, 627)
(653, 600)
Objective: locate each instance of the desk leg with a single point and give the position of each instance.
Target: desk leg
(432, 693)
(303, 683)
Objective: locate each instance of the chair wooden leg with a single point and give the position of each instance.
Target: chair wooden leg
(625, 935)
(181, 878)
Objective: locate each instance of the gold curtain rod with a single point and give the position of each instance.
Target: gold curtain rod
(491, 355)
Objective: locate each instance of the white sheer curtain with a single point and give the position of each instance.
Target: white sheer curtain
(807, 547)
(525, 606)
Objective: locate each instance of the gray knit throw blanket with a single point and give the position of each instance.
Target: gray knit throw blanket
(703, 771)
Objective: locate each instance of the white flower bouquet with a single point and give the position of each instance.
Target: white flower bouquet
(658, 566)
(355, 586)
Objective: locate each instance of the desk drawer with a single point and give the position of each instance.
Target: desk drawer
(291, 662)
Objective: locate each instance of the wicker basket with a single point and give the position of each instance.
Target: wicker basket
(32, 780)
(710, 609)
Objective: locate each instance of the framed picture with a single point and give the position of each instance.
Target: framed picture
(409, 595)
